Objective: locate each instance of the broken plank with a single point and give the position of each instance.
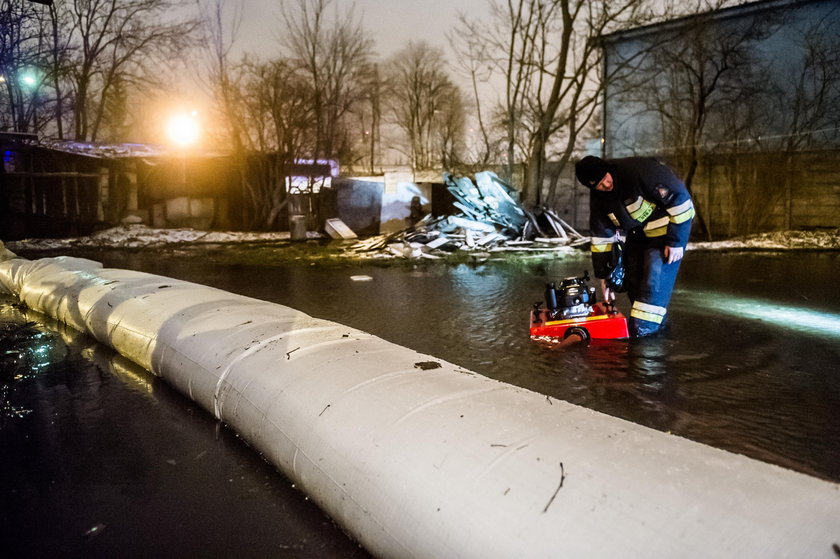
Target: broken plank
(471, 224)
(440, 241)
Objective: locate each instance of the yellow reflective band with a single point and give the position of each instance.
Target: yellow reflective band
(635, 205)
(683, 217)
(649, 316)
(656, 228)
(641, 209)
(646, 311)
(682, 208)
(648, 307)
(580, 319)
(661, 222)
(602, 244)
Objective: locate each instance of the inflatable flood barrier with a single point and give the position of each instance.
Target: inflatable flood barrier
(417, 457)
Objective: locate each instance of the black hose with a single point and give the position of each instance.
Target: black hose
(576, 334)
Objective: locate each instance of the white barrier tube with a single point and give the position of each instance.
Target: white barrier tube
(417, 457)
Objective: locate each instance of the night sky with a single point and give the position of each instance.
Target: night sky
(392, 23)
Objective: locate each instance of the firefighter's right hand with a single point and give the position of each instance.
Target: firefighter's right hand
(609, 296)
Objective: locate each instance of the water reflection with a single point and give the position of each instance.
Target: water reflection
(721, 373)
(108, 450)
(807, 320)
(26, 350)
(629, 379)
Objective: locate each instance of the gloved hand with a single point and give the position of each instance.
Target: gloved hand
(609, 296)
(673, 254)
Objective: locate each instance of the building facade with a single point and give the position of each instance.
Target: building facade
(744, 102)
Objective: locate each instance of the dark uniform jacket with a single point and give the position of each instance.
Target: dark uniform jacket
(646, 199)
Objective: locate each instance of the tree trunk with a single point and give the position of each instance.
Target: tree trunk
(534, 171)
(80, 112)
(554, 179)
(698, 209)
(59, 102)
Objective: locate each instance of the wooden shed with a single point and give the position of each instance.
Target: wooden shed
(62, 189)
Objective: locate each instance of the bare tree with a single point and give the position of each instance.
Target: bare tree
(425, 104)
(808, 104)
(364, 123)
(228, 82)
(697, 82)
(60, 51)
(452, 119)
(22, 52)
(265, 106)
(119, 41)
(506, 48)
(33, 53)
(334, 52)
(471, 57)
(79, 54)
(220, 38)
(276, 98)
(372, 128)
(796, 110)
(547, 56)
(116, 113)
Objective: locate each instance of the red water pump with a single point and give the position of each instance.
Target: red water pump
(572, 310)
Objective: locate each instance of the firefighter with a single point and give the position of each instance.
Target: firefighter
(640, 207)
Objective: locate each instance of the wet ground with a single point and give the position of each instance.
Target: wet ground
(99, 458)
(749, 363)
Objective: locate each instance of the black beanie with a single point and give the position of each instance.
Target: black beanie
(590, 170)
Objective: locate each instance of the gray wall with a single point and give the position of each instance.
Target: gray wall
(759, 171)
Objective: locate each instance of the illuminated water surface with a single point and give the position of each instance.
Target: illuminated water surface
(749, 362)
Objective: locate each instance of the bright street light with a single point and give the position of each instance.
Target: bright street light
(183, 129)
(28, 79)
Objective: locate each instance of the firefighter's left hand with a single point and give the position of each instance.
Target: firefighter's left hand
(673, 254)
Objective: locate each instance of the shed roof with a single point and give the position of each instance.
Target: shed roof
(11, 139)
(722, 14)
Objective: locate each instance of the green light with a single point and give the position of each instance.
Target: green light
(29, 79)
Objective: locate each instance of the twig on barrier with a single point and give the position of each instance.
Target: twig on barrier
(289, 353)
(556, 491)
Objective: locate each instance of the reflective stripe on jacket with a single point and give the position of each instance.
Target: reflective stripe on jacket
(646, 196)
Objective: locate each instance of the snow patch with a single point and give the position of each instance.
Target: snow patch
(778, 240)
(139, 236)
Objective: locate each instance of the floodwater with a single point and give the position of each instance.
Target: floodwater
(101, 459)
(750, 363)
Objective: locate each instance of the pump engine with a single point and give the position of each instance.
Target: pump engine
(571, 308)
(573, 298)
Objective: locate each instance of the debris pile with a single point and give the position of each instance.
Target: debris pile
(488, 219)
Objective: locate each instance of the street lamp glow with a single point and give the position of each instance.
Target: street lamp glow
(183, 130)
(28, 80)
